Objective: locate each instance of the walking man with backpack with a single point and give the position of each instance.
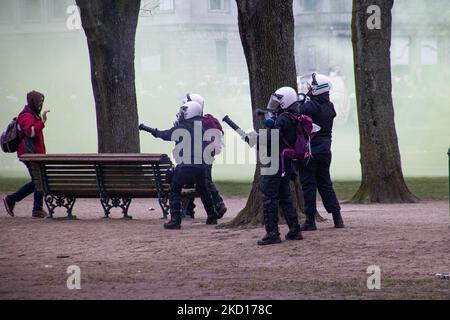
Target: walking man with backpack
(275, 188)
(30, 125)
(208, 122)
(315, 173)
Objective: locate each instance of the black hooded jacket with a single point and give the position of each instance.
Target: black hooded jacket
(286, 124)
(322, 112)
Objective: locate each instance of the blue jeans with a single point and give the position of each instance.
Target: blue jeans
(28, 189)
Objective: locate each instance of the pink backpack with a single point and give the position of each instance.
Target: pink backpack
(211, 122)
(301, 150)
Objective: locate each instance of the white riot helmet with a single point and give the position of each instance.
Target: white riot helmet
(194, 97)
(318, 84)
(282, 98)
(189, 110)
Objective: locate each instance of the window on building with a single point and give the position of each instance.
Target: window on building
(340, 6)
(311, 58)
(448, 53)
(400, 51)
(58, 9)
(221, 56)
(429, 52)
(219, 5)
(166, 5)
(310, 5)
(6, 11)
(31, 10)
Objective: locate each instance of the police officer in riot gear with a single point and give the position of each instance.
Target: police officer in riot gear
(275, 188)
(315, 173)
(219, 204)
(192, 169)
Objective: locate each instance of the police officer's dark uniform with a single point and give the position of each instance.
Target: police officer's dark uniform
(276, 189)
(190, 173)
(219, 204)
(315, 172)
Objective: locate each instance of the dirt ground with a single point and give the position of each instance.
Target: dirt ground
(138, 259)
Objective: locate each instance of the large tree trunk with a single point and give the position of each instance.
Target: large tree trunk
(382, 177)
(266, 29)
(110, 28)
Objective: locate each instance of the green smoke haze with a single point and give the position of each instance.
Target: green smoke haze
(192, 48)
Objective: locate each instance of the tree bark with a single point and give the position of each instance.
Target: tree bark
(266, 29)
(382, 177)
(110, 28)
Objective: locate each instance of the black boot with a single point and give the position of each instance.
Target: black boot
(269, 238)
(211, 220)
(173, 224)
(309, 225)
(338, 221)
(221, 209)
(294, 234)
(212, 215)
(294, 228)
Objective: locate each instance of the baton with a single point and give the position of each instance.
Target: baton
(235, 127)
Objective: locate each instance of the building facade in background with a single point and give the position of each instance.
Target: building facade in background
(205, 33)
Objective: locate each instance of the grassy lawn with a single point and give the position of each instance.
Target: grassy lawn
(11, 184)
(425, 188)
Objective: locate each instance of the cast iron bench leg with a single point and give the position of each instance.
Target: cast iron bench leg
(125, 205)
(49, 199)
(54, 201)
(106, 206)
(114, 202)
(69, 207)
(164, 204)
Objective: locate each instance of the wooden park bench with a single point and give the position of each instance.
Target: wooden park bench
(113, 178)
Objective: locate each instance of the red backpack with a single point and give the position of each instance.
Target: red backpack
(211, 122)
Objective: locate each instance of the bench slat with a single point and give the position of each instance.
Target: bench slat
(72, 186)
(96, 158)
(71, 177)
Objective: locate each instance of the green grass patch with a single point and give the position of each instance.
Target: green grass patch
(11, 184)
(429, 188)
(433, 188)
(231, 188)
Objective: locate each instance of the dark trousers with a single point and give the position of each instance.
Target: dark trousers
(277, 191)
(190, 175)
(28, 189)
(315, 175)
(217, 199)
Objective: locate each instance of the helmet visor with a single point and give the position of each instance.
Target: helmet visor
(274, 102)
